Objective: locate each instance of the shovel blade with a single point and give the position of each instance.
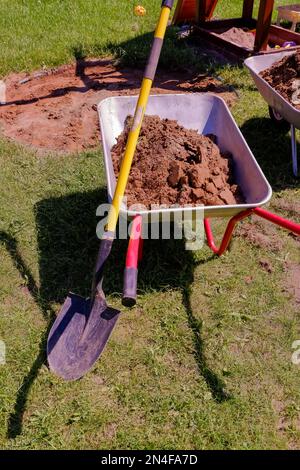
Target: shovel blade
(79, 335)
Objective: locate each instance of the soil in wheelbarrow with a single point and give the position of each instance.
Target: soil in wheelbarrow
(174, 165)
(284, 76)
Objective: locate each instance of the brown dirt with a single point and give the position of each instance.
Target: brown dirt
(241, 37)
(289, 206)
(173, 165)
(56, 109)
(293, 208)
(202, 84)
(261, 234)
(266, 265)
(283, 76)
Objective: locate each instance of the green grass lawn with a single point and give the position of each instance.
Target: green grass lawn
(204, 360)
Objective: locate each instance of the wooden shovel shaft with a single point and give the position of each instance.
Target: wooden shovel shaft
(139, 115)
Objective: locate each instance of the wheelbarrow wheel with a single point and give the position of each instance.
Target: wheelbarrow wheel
(278, 120)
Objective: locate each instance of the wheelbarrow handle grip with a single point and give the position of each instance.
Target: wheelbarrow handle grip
(130, 287)
(132, 258)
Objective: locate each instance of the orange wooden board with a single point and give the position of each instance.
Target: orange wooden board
(194, 10)
(186, 11)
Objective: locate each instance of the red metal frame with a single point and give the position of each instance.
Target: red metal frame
(276, 219)
(273, 218)
(135, 245)
(228, 232)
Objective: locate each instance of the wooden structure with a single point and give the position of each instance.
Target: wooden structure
(200, 13)
(193, 10)
(290, 13)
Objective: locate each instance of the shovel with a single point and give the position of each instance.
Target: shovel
(83, 326)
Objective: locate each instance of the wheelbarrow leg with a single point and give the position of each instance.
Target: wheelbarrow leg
(294, 150)
(228, 232)
(277, 220)
(134, 255)
(273, 218)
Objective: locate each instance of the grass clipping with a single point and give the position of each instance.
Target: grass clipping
(173, 165)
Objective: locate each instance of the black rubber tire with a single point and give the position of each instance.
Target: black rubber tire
(279, 122)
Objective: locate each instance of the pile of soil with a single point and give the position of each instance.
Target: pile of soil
(173, 165)
(240, 36)
(284, 76)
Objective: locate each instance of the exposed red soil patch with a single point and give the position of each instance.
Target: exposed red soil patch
(284, 76)
(293, 208)
(289, 206)
(202, 84)
(261, 233)
(56, 109)
(173, 165)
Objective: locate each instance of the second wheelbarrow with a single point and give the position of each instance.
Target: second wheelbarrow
(281, 111)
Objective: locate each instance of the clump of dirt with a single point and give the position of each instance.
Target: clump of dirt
(56, 109)
(203, 83)
(284, 76)
(173, 165)
(240, 36)
(266, 265)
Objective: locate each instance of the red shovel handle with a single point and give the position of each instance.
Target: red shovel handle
(134, 254)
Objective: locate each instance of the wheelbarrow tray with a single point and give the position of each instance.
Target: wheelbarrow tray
(208, 114)
(274, 99)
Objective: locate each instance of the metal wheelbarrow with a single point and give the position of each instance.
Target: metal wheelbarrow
(208, 114)
(281, 111)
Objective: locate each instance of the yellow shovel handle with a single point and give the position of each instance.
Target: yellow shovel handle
(138, 116)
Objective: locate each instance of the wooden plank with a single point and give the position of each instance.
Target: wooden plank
(248, 9)
(185, 12)
(194, 10)
(222, 25)
(263, 25)
(206, 9)
(227, 46)
(280, 35)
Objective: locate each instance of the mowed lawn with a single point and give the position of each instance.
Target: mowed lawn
(204, 360)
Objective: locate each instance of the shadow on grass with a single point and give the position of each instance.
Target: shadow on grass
(14, 427)
(67, 251)
(66, 258)
(272, 149)
(180, 61)
(213, 381)
(177, 54)
(168, 264)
